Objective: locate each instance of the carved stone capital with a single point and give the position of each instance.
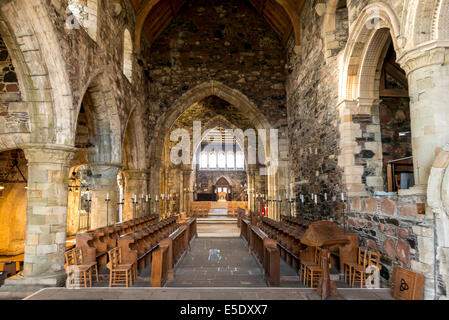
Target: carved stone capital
(38, 153)
(431, 53)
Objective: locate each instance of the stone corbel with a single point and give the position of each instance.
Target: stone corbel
(364, 105)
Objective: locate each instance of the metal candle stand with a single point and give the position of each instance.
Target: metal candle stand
(89, 201)
(135, 203)
(120, 204)
(107, 210)
(290, 202)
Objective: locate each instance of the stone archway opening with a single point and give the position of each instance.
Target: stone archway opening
(219, 107)
(93, 187)
(13, 210)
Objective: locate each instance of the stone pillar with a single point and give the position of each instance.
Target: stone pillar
(104, 183)
(428, 76)
(136, 183)
(45, 243)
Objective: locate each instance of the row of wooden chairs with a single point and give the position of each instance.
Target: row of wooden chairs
(295, 222)
(356, 271)
(135, 247)
(200, 209)
(233, 208)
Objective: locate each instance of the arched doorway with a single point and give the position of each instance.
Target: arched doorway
(223, 190)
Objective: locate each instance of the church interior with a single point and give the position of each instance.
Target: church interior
(236, 146)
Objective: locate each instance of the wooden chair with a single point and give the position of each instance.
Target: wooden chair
(120, 274)
(76, 272)
(314, 272)
(359, 272)
(313, 262)
(361, 262)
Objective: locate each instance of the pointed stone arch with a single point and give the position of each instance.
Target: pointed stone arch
(41, 71)
(165, 122)
(359, 92)
(104, 121)
(210, 88)
(134, 128)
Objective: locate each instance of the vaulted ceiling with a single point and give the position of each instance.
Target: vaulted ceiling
(153, 16)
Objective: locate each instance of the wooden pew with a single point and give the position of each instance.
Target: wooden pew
(7, 269)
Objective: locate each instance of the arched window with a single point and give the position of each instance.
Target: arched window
(85, 13)
(203, 160)
(212, 160)
(240, 160)
(230, 160)
(127, 55)
(222, 160)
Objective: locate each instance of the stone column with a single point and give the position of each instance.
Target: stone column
(428, 76)
(104, 183)
(45, 242)
(136, 183)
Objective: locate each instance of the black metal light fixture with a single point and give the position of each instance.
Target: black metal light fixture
(7, 177)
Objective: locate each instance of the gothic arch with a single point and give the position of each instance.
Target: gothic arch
(104, 121)
(232, 96)
(359, 91)
(364, 44)
(40, 67)
(164, 124)
(134, 133)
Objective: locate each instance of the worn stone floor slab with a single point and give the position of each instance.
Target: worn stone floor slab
(218, 262)
(204, 294)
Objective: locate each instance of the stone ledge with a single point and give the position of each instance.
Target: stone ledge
(21, 282)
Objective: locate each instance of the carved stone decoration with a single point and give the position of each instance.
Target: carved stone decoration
(438, 200)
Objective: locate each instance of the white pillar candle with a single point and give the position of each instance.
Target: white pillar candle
(325, 196)
(342, 196)
(107, 197)
(135, 198)
(157, 198)
(316, 199)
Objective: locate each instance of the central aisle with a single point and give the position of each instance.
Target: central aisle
(218, 262)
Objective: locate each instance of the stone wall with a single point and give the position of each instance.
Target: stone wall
(399, 229)
(238, 180)
(14, 117)
(313, 121)
(222, 41)
(8, 77)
